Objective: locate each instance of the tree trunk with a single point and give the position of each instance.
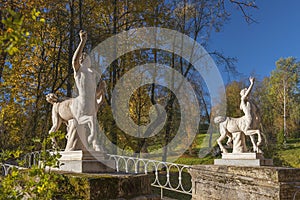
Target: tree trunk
(71, 43)
(113, 77)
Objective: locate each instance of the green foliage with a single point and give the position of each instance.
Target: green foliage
(290, 153)
(281, 88)
(286, 155)
(233, 99)
(27, 73)
(194, 160)
(8, 154)
(14, 34)
(7, 189)
(37, 182)
(280, 138)
(284, 84)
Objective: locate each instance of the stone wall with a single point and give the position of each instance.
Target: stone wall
(107, 186)
(230, 182)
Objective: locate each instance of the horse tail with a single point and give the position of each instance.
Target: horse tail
(51, 98)
(219, 119)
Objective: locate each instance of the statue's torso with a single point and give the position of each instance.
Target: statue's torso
(86, 82)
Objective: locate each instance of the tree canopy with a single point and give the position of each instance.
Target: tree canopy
(38, 39)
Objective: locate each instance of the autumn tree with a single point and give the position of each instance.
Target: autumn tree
(38, 40)
(233, 98)
(283, 96)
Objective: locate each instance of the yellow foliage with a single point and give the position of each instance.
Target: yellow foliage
(9, 30)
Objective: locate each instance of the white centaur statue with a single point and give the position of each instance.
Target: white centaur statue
(81, 110)
(235, 128)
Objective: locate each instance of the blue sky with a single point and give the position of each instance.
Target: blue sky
(259, 45)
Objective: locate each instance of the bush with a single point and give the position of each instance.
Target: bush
(37, 182)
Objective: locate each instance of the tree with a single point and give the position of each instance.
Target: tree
(37, 43)
(283, 95)
(233, 99)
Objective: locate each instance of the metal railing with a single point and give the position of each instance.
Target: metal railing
(168, 176)
(297, 191)
(7, 168)
(32, 159)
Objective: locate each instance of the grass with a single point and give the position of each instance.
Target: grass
(186, 177)
(290, 153)
(200, 144)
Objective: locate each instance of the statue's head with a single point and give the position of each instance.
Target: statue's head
(85, 59)
(243, 92)
(51, 98)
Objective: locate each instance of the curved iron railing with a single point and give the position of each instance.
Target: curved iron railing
(32, 159)
(165, 173)
(297, 192)
(6, 168)
(168, 176)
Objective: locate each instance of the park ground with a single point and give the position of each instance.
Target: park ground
(287, 155)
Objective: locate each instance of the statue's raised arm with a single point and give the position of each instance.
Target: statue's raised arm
(78, 55)
(245, 93)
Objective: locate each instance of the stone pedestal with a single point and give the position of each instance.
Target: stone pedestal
(232, 182)
(243, 159)
(85, 162)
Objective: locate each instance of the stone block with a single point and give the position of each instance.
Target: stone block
(239, 182)
(242, 156)
(243, 159)
(85, 162)
(106, 186)
(82, 155)
(244, 162)
(87, 166)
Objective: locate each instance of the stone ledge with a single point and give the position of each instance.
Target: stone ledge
(87, 166)
(244, 162)
(243, 159)
(109, 186)
(82, 155)
(242, 156)
(85, 162)
(237, 182)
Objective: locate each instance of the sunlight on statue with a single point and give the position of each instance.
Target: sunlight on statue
(81, 110)
(236, 128)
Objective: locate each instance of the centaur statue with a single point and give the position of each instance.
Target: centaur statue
(235, 128)
(81, 110)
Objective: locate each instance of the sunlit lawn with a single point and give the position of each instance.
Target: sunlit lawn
(291, 153)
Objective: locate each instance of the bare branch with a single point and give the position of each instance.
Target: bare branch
(228, 62)
(243, 5)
